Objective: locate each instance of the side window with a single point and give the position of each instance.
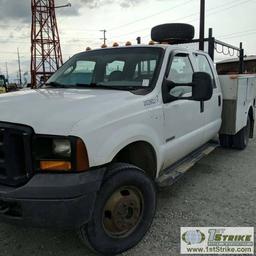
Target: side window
(181, 72)
(145, 69)
(114, 66)
(81, 73)
(204, 66)
(84, 67)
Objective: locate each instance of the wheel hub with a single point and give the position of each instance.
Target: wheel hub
(123, 211)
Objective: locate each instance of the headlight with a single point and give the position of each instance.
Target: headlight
(60, 154)
(61, 147)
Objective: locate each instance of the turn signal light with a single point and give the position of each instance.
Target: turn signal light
(55, 166)
(82, 160)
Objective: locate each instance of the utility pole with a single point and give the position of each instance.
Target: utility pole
(20, 79)
(104, 36)
(6, 70)
(202, 25)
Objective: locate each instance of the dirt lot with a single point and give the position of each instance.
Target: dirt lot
(219, 191)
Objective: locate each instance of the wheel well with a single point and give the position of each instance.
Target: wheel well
(252, 122)
(140, 154)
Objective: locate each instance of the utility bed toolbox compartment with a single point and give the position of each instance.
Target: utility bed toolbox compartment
(239, 92)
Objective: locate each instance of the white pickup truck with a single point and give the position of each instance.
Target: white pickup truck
(87, 150)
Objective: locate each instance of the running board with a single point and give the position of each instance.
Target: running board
(177, 170)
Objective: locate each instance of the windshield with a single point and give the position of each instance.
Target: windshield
(120, 68)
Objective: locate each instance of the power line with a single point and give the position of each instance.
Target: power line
(152, 15)
(239, 32)
(177, 19)
(24, 42)
(18, 27)
(232, 6)
(239, 36)
(235, 3)
(211, 10)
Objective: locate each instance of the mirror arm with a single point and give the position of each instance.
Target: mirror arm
(171, 84)
(185, 98)
(189, 84)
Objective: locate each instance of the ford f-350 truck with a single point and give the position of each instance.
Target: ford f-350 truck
(87, 150)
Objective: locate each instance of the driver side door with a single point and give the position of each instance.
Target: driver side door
(184, 120)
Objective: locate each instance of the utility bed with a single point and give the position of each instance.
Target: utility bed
(239, 92)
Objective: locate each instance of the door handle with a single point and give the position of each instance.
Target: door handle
(219, 100)
(201, 106)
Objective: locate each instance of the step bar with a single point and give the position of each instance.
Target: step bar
(173, 173)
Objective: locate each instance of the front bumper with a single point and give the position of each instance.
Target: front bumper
(63, 201)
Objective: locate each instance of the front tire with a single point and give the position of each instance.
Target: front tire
(123, 213)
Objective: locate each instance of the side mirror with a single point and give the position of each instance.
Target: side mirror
(202, 88)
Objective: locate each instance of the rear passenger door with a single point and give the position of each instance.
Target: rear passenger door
(213, 107)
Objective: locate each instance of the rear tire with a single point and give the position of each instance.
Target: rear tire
(241, 139)
(123, 212)
(226, 141)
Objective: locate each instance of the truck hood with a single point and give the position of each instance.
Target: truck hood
(56, 111)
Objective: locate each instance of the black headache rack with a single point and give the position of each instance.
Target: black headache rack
(15, 154)
(216, 46)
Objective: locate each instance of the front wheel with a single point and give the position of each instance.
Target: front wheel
(123, 213)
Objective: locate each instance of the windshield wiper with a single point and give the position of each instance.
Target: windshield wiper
(110, 87)
(56, 84)
(96, 86)
(86, 85)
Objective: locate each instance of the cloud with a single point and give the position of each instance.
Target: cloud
(127, 4)
(20, 10)
(15, 10)
(97, 3)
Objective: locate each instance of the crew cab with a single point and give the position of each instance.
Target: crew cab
(87, 150)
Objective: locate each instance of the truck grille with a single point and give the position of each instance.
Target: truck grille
(15, 154)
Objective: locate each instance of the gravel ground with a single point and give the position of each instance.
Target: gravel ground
(219, 191)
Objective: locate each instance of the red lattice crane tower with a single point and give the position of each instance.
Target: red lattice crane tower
(46, 56)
